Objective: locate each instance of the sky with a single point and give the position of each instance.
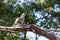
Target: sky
(32, 35)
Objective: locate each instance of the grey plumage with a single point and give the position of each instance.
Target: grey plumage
(19, 21)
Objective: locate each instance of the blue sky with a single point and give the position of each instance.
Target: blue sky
(32, 35)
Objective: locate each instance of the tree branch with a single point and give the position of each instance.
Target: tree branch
(39, 31)
(14, 29)
(32, 28)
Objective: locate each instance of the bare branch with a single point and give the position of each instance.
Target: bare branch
(39, 31)
(32, 28)
(13, 29)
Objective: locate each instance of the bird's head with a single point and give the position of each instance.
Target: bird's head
(23, 15)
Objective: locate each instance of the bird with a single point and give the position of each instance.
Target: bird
(19, 21)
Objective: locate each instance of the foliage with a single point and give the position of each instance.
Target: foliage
(10, 10)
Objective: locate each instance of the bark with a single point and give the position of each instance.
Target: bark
(14, 29)
(39, 31)
(32, 28)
